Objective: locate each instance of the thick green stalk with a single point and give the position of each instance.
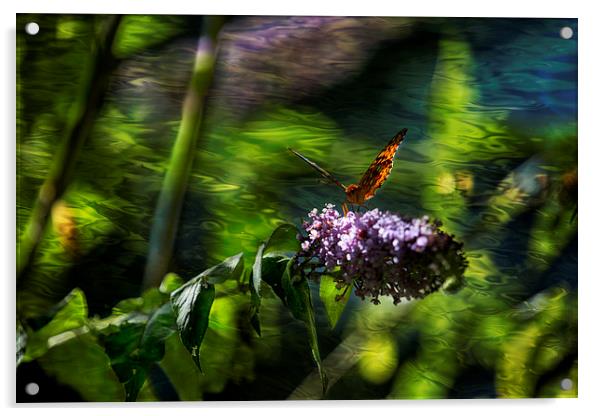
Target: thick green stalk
(167, 213)
(79, 124)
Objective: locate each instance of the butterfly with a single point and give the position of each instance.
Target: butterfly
(375, 176)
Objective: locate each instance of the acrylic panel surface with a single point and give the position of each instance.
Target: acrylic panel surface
(152, 148)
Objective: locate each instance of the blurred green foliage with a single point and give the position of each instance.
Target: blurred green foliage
(491, 151)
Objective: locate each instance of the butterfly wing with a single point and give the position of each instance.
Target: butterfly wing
(379, 170)
(322, 171)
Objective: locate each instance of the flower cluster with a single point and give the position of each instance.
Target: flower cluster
(380, 253)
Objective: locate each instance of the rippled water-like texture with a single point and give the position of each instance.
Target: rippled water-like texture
(491, 150)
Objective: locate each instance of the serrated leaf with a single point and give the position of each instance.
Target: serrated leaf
(231, 268)
(334, 299)
(192, 305)
(298, 300)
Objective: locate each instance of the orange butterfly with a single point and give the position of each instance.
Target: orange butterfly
(375, 176)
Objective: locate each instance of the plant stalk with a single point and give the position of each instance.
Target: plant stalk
(169, 205)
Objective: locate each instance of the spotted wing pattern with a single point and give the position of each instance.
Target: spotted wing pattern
(379, 170)
(322, 171)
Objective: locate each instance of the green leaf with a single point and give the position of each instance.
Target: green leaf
(121, 347)
(135, 345)
(170, 282)
(191, 304)
(283, 241)
(74, 314)
(334, 299)
(298, 300)
(255, 287)
(150, 300)
(231, 268)
(255, 303)
(272, 267)
(280, 246)
(82, 364)
(256, 284)
(160, 326)
(21, 342)
(254, 312)
(185, 377)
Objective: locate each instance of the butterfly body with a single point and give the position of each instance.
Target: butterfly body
(373, 178)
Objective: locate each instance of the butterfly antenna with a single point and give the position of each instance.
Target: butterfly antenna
(320, 170)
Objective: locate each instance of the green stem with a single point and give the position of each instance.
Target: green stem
(167, 213)
(79, 125)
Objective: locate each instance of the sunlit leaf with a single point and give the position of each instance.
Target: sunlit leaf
(231, 268)
(21, 342)
(170, 282)
(72, 315)
(334, 299)
(81, 364)
(147, 303)
(256, 283)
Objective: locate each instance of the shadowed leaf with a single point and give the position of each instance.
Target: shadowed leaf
(298, 300)
(191, 304)
(135, 345)
(270, 262)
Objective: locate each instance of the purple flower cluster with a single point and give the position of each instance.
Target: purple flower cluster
(380, 253)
